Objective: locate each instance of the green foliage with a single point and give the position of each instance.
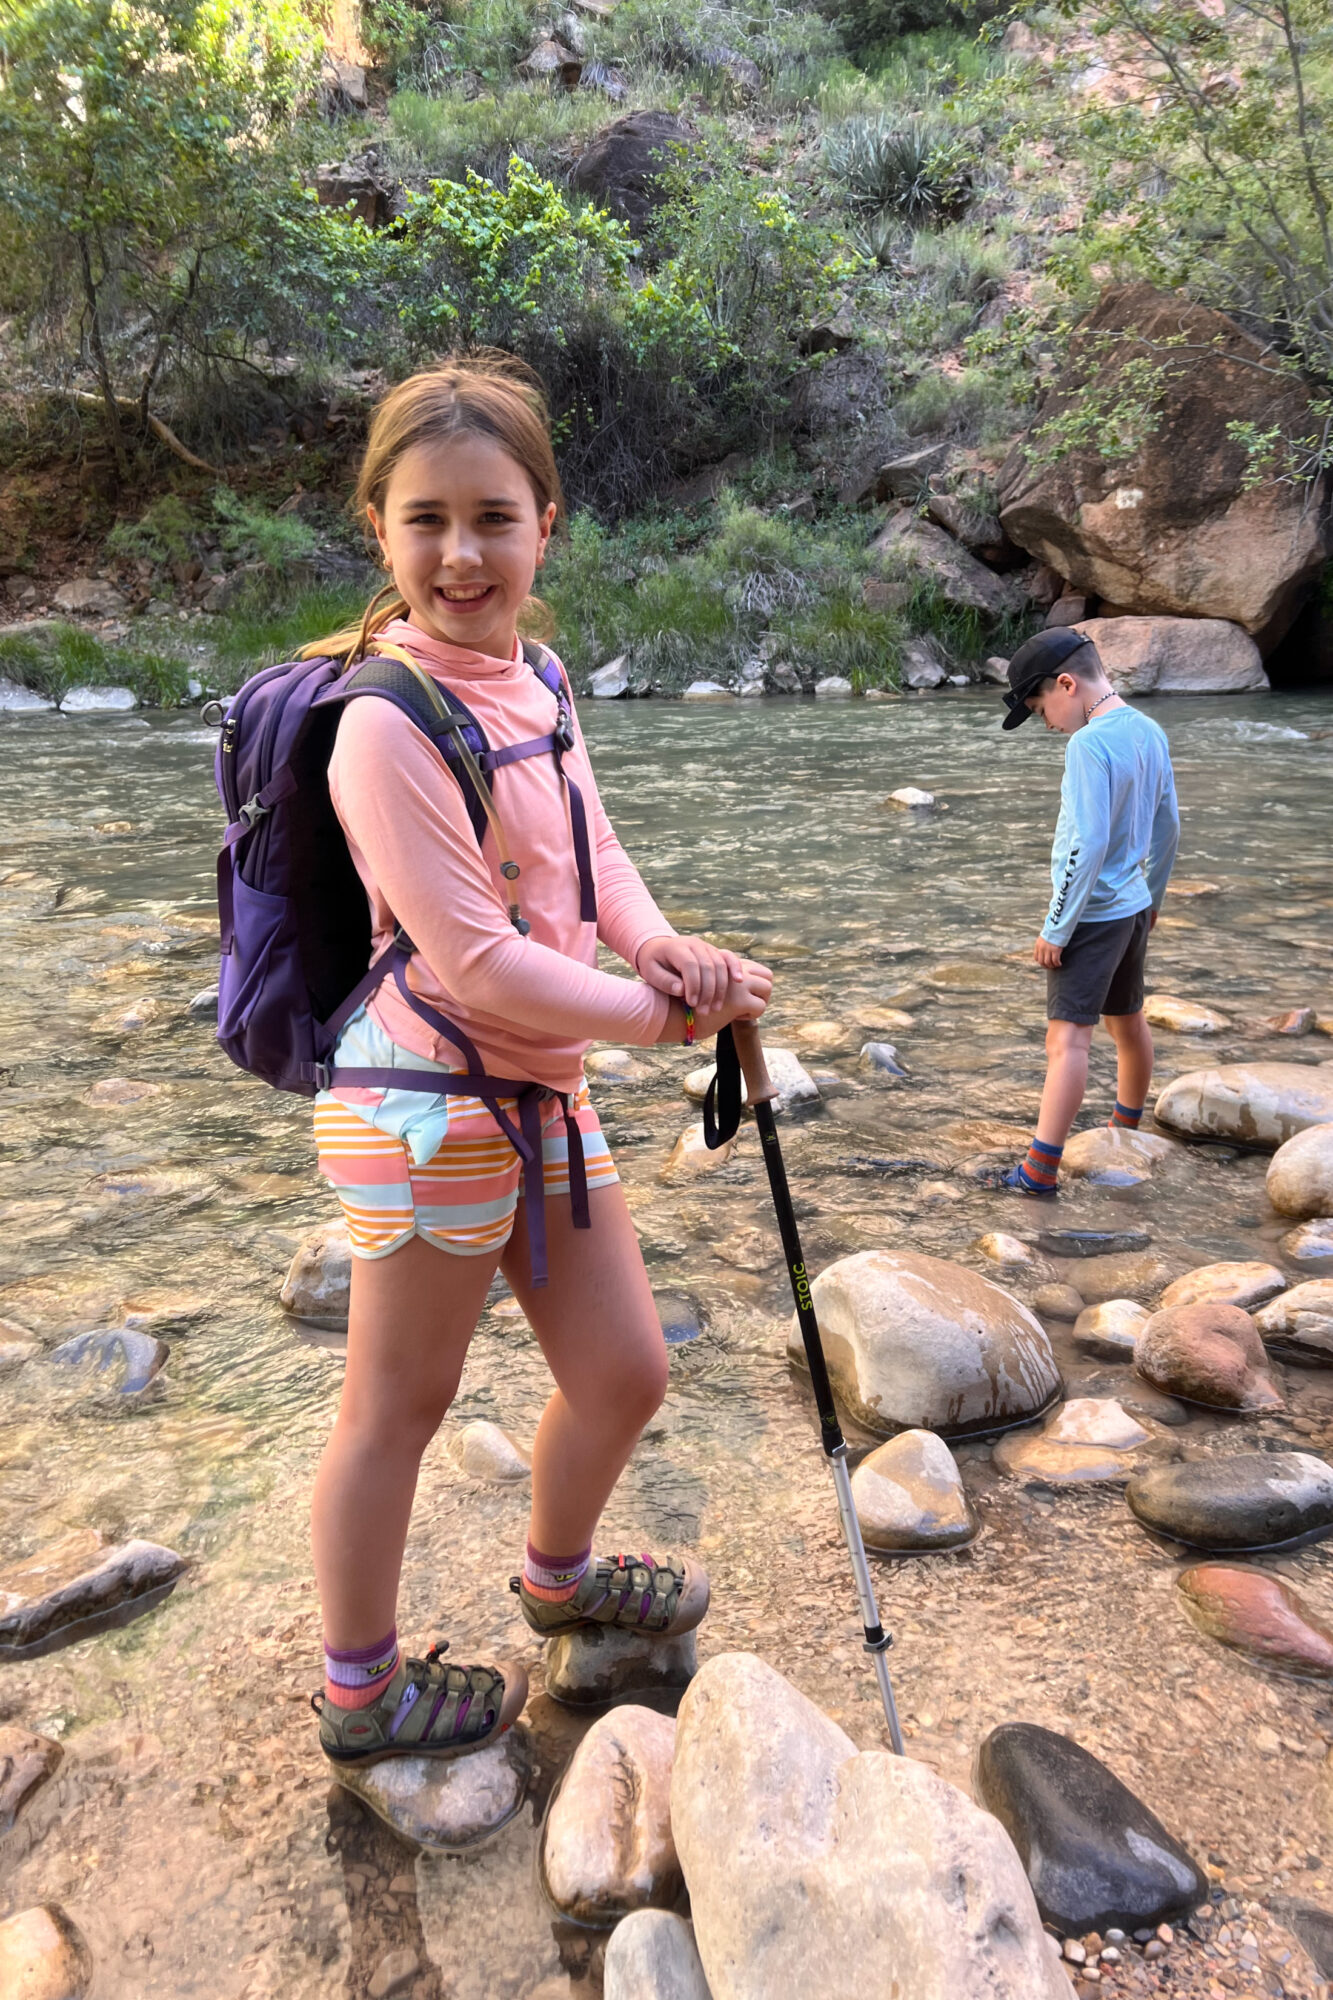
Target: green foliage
(165, 533)
(701, 40)
(965, 636)
(450, 135)
(72, 657)
(869, 27)
(955, 405)
(254, 534)
(917, 170)
(262, 630)
(839, 634)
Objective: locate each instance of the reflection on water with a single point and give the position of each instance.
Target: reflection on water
(192, 1831)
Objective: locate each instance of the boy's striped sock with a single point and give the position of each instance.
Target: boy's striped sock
(1039, 1171)
(354, 1679)
(554, 1579)
(1122, 1115)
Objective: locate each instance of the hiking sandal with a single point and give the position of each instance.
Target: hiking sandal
(656, 1596)
(425, 1710)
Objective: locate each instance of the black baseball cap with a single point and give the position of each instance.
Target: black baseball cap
(1038, 659)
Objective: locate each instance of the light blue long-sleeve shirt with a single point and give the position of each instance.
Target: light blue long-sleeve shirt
(1119, 826)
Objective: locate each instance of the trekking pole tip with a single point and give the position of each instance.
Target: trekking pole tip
(759, 1085)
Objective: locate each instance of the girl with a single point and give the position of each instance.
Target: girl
(460, 487)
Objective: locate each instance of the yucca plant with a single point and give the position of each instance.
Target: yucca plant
(914, 169)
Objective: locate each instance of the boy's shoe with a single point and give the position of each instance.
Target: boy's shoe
(656, 1596)
(1014, 1180)
(425, 1710)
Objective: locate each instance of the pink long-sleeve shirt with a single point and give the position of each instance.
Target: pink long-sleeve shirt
(531, 1004)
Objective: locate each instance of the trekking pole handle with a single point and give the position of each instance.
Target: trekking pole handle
(759, 1085)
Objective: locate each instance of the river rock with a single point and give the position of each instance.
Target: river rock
(606, 1846)
(1004, 1249)
(909, 1495)
(43, 1956)
(1138, 1274)
(1257, 1614)
(1136, 1396)
(1057, 1302)
(120, 1090)
(1300, 1175)
(1239, 1501)
(1296, 1021)
(881, 1058)
(611, 682)
(1112, 1156)
(204, 1006)
(917, 1343)
(811, 1866)
(1183, 1017)
(919, 662)
(833, 687)
(449, 1804)
(141, 1013)
(911, 798)
(1091, 1242)
(1094, 1853)
(690, 1155)
(16, 1354)
(796, 1087)
(18, 700)
(1259, 1104)
(99, 701)
(1109, 1331)
(652, 1955)
(1244, 1285)
(1208, 1353)
(1312, 1243)
(706, 691)
(617, 1066)
(484, 1451)
(118, 1358)
(1301, 1321)
(318, 1284)
(1087, 1441)
(42, 1610)
(1175, 656)
(26, 1762)
(596, 1665)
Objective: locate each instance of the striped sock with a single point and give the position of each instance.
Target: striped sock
(1122, 1115)
(554, 1578)
(1038, 1172)
(356, 1678)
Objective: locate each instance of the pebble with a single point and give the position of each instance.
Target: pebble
(1183, 1017)
(909, 1495)
(57, 1603)
(120, 1091)
(43, 1955)
(1109, 1331)
(1057, 1302)
(1255, 1613)
(129, 1020)
(681, 1318)
(825, 1038)
(1092, 1242)
(596, 1665)
(1208, 1354)
(1240, 1284)
(1238, 1501)
(449, 1804)
(1310, 1244)
(27, 1761)
(883, 1057)
(910, 798)
(127, 1359)
(690, 1156)
(1296, 1021)
(484, 1451)
(318, 1285)
(204, 1006)
(1003, 1249)
(606, 1845)
(617, 1066)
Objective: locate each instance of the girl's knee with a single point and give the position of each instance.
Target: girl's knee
(634, 1392)
(402, 1428)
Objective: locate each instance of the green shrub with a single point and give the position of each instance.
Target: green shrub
(445, 135)
(72, 657)
(252, 533)
(965, 636)
(761, 561)
(954, 404)
(164, 533)
(263, 628)
(914, 169)
(842, 635)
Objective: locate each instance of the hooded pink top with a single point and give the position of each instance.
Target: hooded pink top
(531, 1004)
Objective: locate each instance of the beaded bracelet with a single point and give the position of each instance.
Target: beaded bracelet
(689, 1027)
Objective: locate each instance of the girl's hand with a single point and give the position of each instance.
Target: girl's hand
(745, 999)
(689, 969)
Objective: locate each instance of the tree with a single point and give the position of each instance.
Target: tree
(137, 141)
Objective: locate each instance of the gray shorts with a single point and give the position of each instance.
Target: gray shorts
(1100, 971)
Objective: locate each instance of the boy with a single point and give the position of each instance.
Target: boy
(1114, 845)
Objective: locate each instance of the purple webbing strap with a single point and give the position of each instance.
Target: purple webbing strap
(578, 821)
(514, 753)
(362, 991)
(578, 1169)
(534, 1187)
(432, 1017)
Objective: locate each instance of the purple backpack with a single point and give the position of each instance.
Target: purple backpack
(293, 912)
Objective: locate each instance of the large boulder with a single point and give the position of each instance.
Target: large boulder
(915, 1343)
(43, 1956)
(914, 552)
(622, 167)
(810, 1865)
(1237, 1501)
(1259, 1104)
(1175, 528)
(1208, 1353)
(1176, 656)
(1300, 1175)
(1300, 1323)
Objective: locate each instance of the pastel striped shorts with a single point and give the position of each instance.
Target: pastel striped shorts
(464, 1198)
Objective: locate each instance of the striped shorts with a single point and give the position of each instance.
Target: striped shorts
(464, 1198)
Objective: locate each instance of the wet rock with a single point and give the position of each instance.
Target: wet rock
(1183, 1017)
(448, 1804)
(1300, 1176)
(120, 1090)
(681, 1318)
(26, 1762)
(1109, 1331)
(204, 1006)
(43, 1956)
(652, 1956)
(43, 1612)
(833, 687)
(1296, 1021)
(99, 701)
(318, 1284)
(130, 1020)
(796, 1087)
(809, 1864)
(910, 798)
(611, 682)
(118, 1358)
(880, 1022)
(909, 1495)
(1085, 1442)
(826, 1038)
(1057, 1302)
(690, 1155)
(1208, 1353)
(706, 691)
(17, 700)
(1301, 1321)
(1175, 655)
(1091, 1242)
(1004, 1249)
(393, 1974)
(1238, 1284)
(1244, 1500)
(915, 551)
(16, 1354)
(1111, 1156)
(1136, 1396)
(1256, 1614)
(1134, 1275)
(917, 1343)
(919, 665)
(484, 1451)
(882, 1058)
(606, 1846)
(617, 1066)
(1312, 1243)
(1257, 1104)
(597, 1665)
(1095, 1855)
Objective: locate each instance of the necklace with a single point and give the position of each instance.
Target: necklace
(1088, 713)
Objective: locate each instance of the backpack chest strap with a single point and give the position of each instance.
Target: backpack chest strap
(555, 745)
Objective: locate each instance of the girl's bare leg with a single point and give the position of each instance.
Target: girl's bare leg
(412, 1316)
(598, 1328)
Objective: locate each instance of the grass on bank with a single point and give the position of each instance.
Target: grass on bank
(57, 659)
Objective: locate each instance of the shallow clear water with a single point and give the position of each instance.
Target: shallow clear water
(193, 1832)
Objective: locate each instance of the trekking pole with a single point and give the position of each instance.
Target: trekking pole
(740, 1049)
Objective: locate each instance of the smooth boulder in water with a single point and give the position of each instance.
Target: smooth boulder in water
(1246, 1285)
(1238, 1501)
(1110, 1331)
(1300, 1175)
(909, 1495)
(915, 1343)
(484, 1451)
(65, 1607)
(1300, 1323)
(595, 1665)
(1256, 1614)
(318, 1285)
(1312, 1243)
(117, 1358)
(1094, 1853)
(1209, 1354)
(652, 1955)
(1256, 1104)
(1091, 1440)
(606, 1846)
(810, 1865)
(1112, 1156)
(448, 1804)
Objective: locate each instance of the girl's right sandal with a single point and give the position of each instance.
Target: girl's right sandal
(426, 1709)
